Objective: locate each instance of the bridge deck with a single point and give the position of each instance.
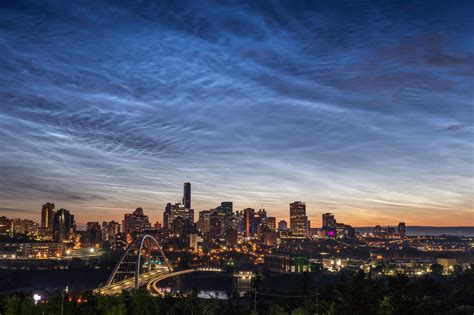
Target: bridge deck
(153, 289)
(128, 284)
(150, 279)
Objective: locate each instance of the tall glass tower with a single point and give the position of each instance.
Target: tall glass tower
(187, 196)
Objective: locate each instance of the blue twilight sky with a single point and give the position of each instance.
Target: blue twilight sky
(361, 108)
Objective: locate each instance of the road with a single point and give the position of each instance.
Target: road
(153, 289)
(128, 284)
(150, 279)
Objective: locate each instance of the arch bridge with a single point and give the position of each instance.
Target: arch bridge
(143, 264)
(142, 261)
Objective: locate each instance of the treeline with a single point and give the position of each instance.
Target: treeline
(358, 294)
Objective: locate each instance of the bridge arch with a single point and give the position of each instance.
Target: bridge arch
(143, 254)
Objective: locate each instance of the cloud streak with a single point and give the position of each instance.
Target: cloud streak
(108, 106)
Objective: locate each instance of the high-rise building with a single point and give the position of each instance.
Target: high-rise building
(270, 238)
(329, 222)
(193, 241)
(298, 219)
(63, 225)
(47, 216)
(282, 225)
(216, 223)
(190, 216)
(93, 234)
(249, 222)
(221, 219)
(180, 220)
(378, 230)
(120, 242)
(110, 231)
(260, 222)
(227, 211)
(5, 225)
(349, 231)
(167, 216)
(271, 223)
(231, 237)
(187, 195)
(24, 226)
(179, 210)
(135, 222)
(203, 224)
(238, 222)
(402, 229)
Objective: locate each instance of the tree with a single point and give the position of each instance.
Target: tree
(436, 269)
(257, 282)
(141, 303)
(190, 304)
(111, 305)
(461, 288)
(119, 309)
(360, 296)
(403, 294)
(385, 306)
(276, 309)
(209, 308)
(305, 283)
(12, 305)
(299, 311)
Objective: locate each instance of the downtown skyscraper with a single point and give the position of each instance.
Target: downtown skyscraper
(63, 225)
(298, 219)
(187, 195)
(47, 216)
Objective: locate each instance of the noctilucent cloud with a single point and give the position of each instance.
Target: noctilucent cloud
(364, 109)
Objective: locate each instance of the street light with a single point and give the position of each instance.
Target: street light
(66, 290)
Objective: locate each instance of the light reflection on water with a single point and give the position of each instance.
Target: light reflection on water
(211, 286)
(220, 295)
(202, 294)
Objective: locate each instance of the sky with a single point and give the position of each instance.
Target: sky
(364, 109)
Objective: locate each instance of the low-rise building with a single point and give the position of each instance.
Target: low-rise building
(284, 263)
(32, 250)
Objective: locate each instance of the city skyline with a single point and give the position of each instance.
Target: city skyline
(360, 109)
(316, 221)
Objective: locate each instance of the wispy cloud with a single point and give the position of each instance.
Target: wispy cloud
(453, 127)
(113, 105)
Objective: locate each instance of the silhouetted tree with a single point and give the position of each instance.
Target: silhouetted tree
(436, 269)
(402, 294)
(276, 309)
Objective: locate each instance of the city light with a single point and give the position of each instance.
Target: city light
(218, 250)
(247, 157)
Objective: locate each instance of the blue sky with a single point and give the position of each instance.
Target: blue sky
(361, 108)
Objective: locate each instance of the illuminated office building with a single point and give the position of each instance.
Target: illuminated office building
(282, 225)
(187, 195)
(63, 225)
(249, 222)
(135, 222)
(329, 222)
(298, 219)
